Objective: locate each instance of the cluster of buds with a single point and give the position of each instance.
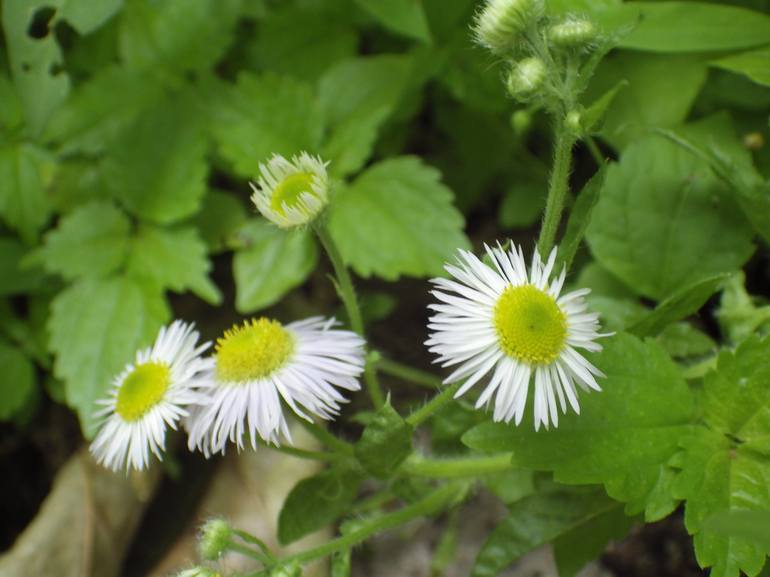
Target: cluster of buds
(533, 44)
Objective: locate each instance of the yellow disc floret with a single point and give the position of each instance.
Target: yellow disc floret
(142, 389)
(252, 351)
(289, 191)
(531, 326)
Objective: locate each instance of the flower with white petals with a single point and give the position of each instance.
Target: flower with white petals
(151, 394)
(263, 362)
(291, 192)
(516, 325)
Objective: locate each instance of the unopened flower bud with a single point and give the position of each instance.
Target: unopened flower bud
(572, 122)
(501, 23)
(572, 33)
(198, 572)
(526, 77)
(214, 539)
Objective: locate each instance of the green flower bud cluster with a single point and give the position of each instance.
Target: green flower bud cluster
(214, 539)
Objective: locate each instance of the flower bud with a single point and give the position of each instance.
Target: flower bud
(572, 33)
(214, 539)
(292, 570)
(198, 572)
(572, 122)
(526, 77)
(501, 23)
(521, 121)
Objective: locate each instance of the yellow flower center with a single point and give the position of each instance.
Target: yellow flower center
(289, 191)
(142, 389)
(531, 326)
(253, 351)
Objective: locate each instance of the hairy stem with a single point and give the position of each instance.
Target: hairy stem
(461, 467)
(557, 189)
(422, 414)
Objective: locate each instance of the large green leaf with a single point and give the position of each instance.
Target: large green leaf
(664, 221)
(270, 264)
(90, 241)
(689, 26)
(173, 258)
(752, 63)
(725, 465)
(157, 168)
(17, 382)
(404, 16)
(417, 227)
(264, 115)
(96, 327)
(624, 436)
(24, 172)
(535, 521)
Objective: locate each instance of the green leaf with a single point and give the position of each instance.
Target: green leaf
(679, 305)
(219, 219)
(406, 17)
(660, 93)
(24, 172)
(264, 115)
(178, 35)
(393, 198)
(272, 262)
(645, 411)
(15, 280)
(35, 63)
(90, 241)
(316, 502)
(682, 340)
(753, 526)
(385, 443)
(752, 63)
(17, 383)
(580, 216)
(535, 521)
(724, 465)
(157, 168)
(356, 97)
(690, 26)
(173, 258)
(664, 221)
(592, 116)
(96, 327)
(86, 16)
(523, 204)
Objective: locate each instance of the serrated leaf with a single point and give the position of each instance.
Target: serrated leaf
(172, 258)
(17, 383)
(264, 115)
(724, 465)
(271, 263)
(534, 521)
(394, 197)
(752, 526)
(644, 407)
(221, 216)
(406, 17)
(664, 221)
(90, 241)
(96, 327)
(385, 443)
(316, 502)
(682, 340)
(580, 216)
(15, 279)
(679, 305)
(157, 168)
(24, 204)
(178, 35)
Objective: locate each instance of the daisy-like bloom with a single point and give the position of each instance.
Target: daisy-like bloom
(291, 192)
(517, 326)
(262, 362)
(151, 393)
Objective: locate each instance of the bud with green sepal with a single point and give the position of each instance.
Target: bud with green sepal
(501, 24)
(214, 539)
(573, 32)
(526, 78)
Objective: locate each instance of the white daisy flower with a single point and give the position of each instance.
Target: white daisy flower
(151, 393)
(291, 193)
(263, 362)
(516, 327)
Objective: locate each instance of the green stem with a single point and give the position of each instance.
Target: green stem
(305, 454)
(451, 468)
(247, 552)
(557, 189)
(325, 437)
(432, 503)
(249, 538)
(374, 502)
(596, 153)
(348, 295)
(422, 414)
(407, 373)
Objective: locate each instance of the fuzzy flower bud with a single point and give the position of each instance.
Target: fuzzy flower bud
(574, 32)
(526, 77)
(501, 23)
(198, 572)
(214, 539)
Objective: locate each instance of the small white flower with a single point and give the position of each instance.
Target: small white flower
(291, 193)
(516, 326)
(151, 393)
(263, 362)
